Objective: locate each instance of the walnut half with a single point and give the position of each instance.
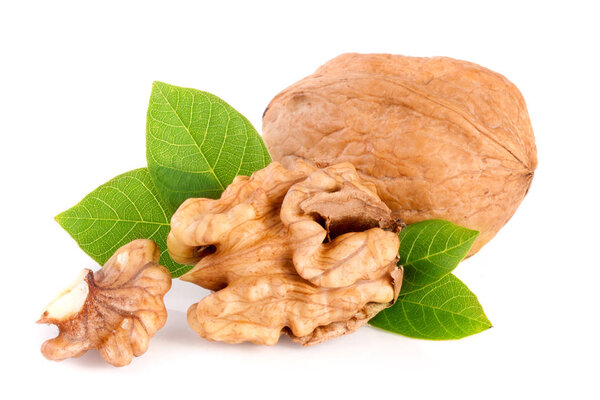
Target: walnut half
(115, 310)
(307, 252)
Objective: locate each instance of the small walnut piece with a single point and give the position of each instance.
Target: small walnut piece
(115, 310)
(307, 252)
(440, 138)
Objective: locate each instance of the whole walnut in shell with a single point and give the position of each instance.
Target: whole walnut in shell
(440, 138)
(307, 252)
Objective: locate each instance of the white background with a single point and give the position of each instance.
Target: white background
(76, 80)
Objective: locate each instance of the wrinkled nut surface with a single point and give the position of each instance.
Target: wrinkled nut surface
(440, 138)
(116, 310)
(307, 252)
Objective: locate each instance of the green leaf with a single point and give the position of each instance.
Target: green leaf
(196, 144)
(430, 250)
(125, 208)
(444, 310)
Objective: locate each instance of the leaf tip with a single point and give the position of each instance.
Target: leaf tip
(57, 218)
(160, 84)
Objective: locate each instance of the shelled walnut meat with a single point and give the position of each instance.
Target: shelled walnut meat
(308, 252)
(115, 310)
(438, 137)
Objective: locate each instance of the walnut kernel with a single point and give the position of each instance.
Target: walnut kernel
(307, 252)
(115, 310)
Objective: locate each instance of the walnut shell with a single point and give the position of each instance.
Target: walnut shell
(440, 138)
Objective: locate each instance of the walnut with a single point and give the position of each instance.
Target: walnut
(115, 310)
(440, 138)
(307, 252)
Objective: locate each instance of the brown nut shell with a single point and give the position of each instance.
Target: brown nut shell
(438, 137)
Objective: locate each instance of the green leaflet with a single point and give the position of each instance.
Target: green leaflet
(430, 250)
(433, 303)
(444, 310)
(196, 144)
(123, 209)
